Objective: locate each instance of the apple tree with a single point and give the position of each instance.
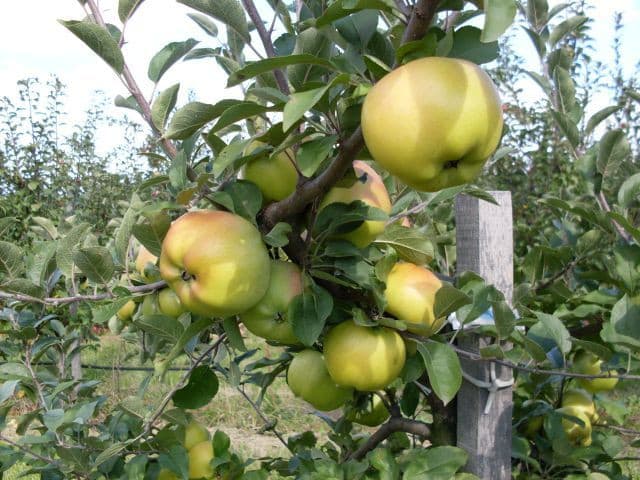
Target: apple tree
(315, 213)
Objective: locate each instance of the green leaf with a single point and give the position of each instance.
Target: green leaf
(221, 443)
(499, 15)
(99, 40)
(600, 116)
(163, 105)
(47, 225)
(627, 266)
(191, 331)
(110, 452)
(566, 90)
(96, 263)
(278, 236)
(102, 313)
(568, 127)
(193, 116)
(67, 245)
(130, 102)
(7, 389)
(246, 198)
(204, 23)
(614, 149)
(123, 234)
(202, 387)
(341, 9)
(629, 190)
(435, 463)
(5, 225)
(167, 56)
(230, 326)
(152, 233)
(504, 318)
(412, 245)
(358, 28)
(311, 154)
(448, 300)
(11, 259)
(566, 27)
(161, 326)
(308, 313)
(556, 330)
(467, 45)
(443, 368)
(299, 104)
(624, 328)
(24, 286)
(239, 111)
(227, 156)
(229, 12)
(537, 12)
(126, 8)
(254, 69)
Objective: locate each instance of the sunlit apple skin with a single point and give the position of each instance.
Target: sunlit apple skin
(268, 318)
(275, 176)
(365, 358)
(216, 263)
(433, 122)
(373, 415)
(576, 433)
(370, 189)
(169, 303)
(589, 363)
(144, 258)
(200, 456)
(309, 379)
(165, 474)
(411, 294)
(580, 400)
(194, 433)
(126, 311)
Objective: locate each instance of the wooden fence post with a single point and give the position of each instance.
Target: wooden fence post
(485, 246)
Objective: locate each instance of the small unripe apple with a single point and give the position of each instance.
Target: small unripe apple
(411, 294)
(200, 456)
(268, 318)
(216, 263)
(580, 400)
(149, 305)
(589, 363)
(194, 433)
(169, 303)
(145, 260)
(576, 433)
(309, 379)
(373, 413)
(126, 311)
(433, 122)
(275, 176)
(368, 188)
(165, 474)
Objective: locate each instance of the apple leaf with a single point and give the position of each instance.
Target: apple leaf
(102, 313)
(202, 387)
(448, 300)
(239, 111)
(254, 69)
(152, 233)
(565, 28)
(467, 45)
(436, 463)
(193, 116)
(308, 313)
(163, 105)
(556, 330)
(338, 10)
(67, 245)
(230, 326)
(499, 15)
(99, 40)
(11, 259)
(443, 368)
(278, 236)
(229, 12)
(411, 244)
(209, 27)
(311, 154)
(96, 263)
(160, 325)
(600, 116)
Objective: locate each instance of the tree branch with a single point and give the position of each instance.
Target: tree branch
(393, 425)
(134, 89)
(55, 301)
(254, 15)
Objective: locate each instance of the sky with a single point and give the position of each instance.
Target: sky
(34, 44)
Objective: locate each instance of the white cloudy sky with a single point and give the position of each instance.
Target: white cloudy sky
(32, 43)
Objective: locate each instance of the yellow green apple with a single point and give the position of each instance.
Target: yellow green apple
(365, 358)
(268, 318)
(275, 175)
(216, 263)
(368, 188)
(200, 456)
(169, 303)
(309, 379)
(411, 294)
(433, 122)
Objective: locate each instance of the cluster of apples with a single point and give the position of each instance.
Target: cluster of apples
(197, 442)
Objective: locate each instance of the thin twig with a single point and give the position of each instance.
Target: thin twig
(270, 425)
(254, 15)
(24, 449)
(56, 301)
(626, 431)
